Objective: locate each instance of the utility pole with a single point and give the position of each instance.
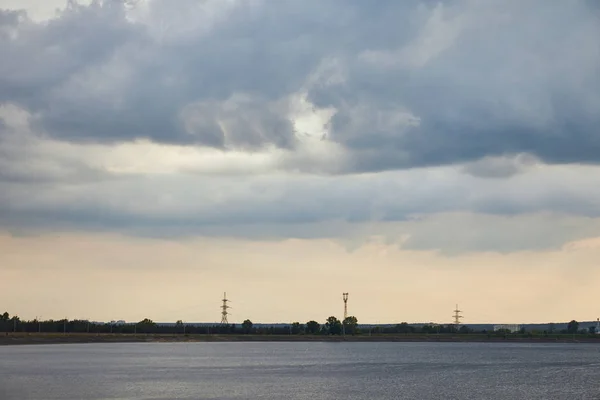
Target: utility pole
(345, 298)
(224, 308)
(457, 316)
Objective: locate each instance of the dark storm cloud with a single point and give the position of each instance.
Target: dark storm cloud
(482, 78)
(511, 79)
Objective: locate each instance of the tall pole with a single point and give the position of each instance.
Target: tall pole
(224, 308)
(457, 317)
(345, 298)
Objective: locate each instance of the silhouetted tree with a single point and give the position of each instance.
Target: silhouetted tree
(404, 328)
(247, 326)
(297, 328)
(573, 327)
(334, 326)
(145, 326)
(350, 324)
(312, 327)
(465, 329)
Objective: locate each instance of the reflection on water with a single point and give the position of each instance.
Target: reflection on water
(301, 371)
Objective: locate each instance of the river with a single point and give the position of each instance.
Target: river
(300, 371)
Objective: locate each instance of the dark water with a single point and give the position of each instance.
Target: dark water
(301, 371)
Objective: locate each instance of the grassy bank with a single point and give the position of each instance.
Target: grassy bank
(59, 338)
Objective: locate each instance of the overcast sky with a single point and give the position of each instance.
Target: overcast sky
(417, 154)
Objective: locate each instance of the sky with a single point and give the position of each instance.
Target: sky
(417, 154)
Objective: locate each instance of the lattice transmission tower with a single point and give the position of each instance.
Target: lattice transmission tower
(457, 317)
(345, 298)
(224, 308)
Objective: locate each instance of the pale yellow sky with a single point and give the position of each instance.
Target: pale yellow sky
(104, 277)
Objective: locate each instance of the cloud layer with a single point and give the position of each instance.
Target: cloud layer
(285, 119)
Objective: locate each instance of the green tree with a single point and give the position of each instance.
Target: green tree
(313, 327)
(247, 326)
(350, 325)
(334, 326)
(5, 316)
(573, 327)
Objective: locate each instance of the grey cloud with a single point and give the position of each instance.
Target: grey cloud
(491, 86)
(514, 80)
(501, 167)
(255, 52)
(439, 210)
(482, 78)
(493, 233)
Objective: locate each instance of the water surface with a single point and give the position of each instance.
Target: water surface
(300, 371)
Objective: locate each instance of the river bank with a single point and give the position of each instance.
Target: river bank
(59, 338)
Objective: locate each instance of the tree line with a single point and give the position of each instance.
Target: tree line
(331, 326)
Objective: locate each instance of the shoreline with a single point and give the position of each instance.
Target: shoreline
(87, 338)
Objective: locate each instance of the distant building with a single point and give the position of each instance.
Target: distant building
(512, 328)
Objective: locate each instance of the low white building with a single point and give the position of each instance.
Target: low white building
(513, 328)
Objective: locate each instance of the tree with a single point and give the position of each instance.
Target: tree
(296, 328)
(179, 323)
(404, 328)
(334, 326)
(350, 324)
(145, 326)
(247, 326)
(313, 327)
(5, 316)
(465, 329)
(573, 327)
